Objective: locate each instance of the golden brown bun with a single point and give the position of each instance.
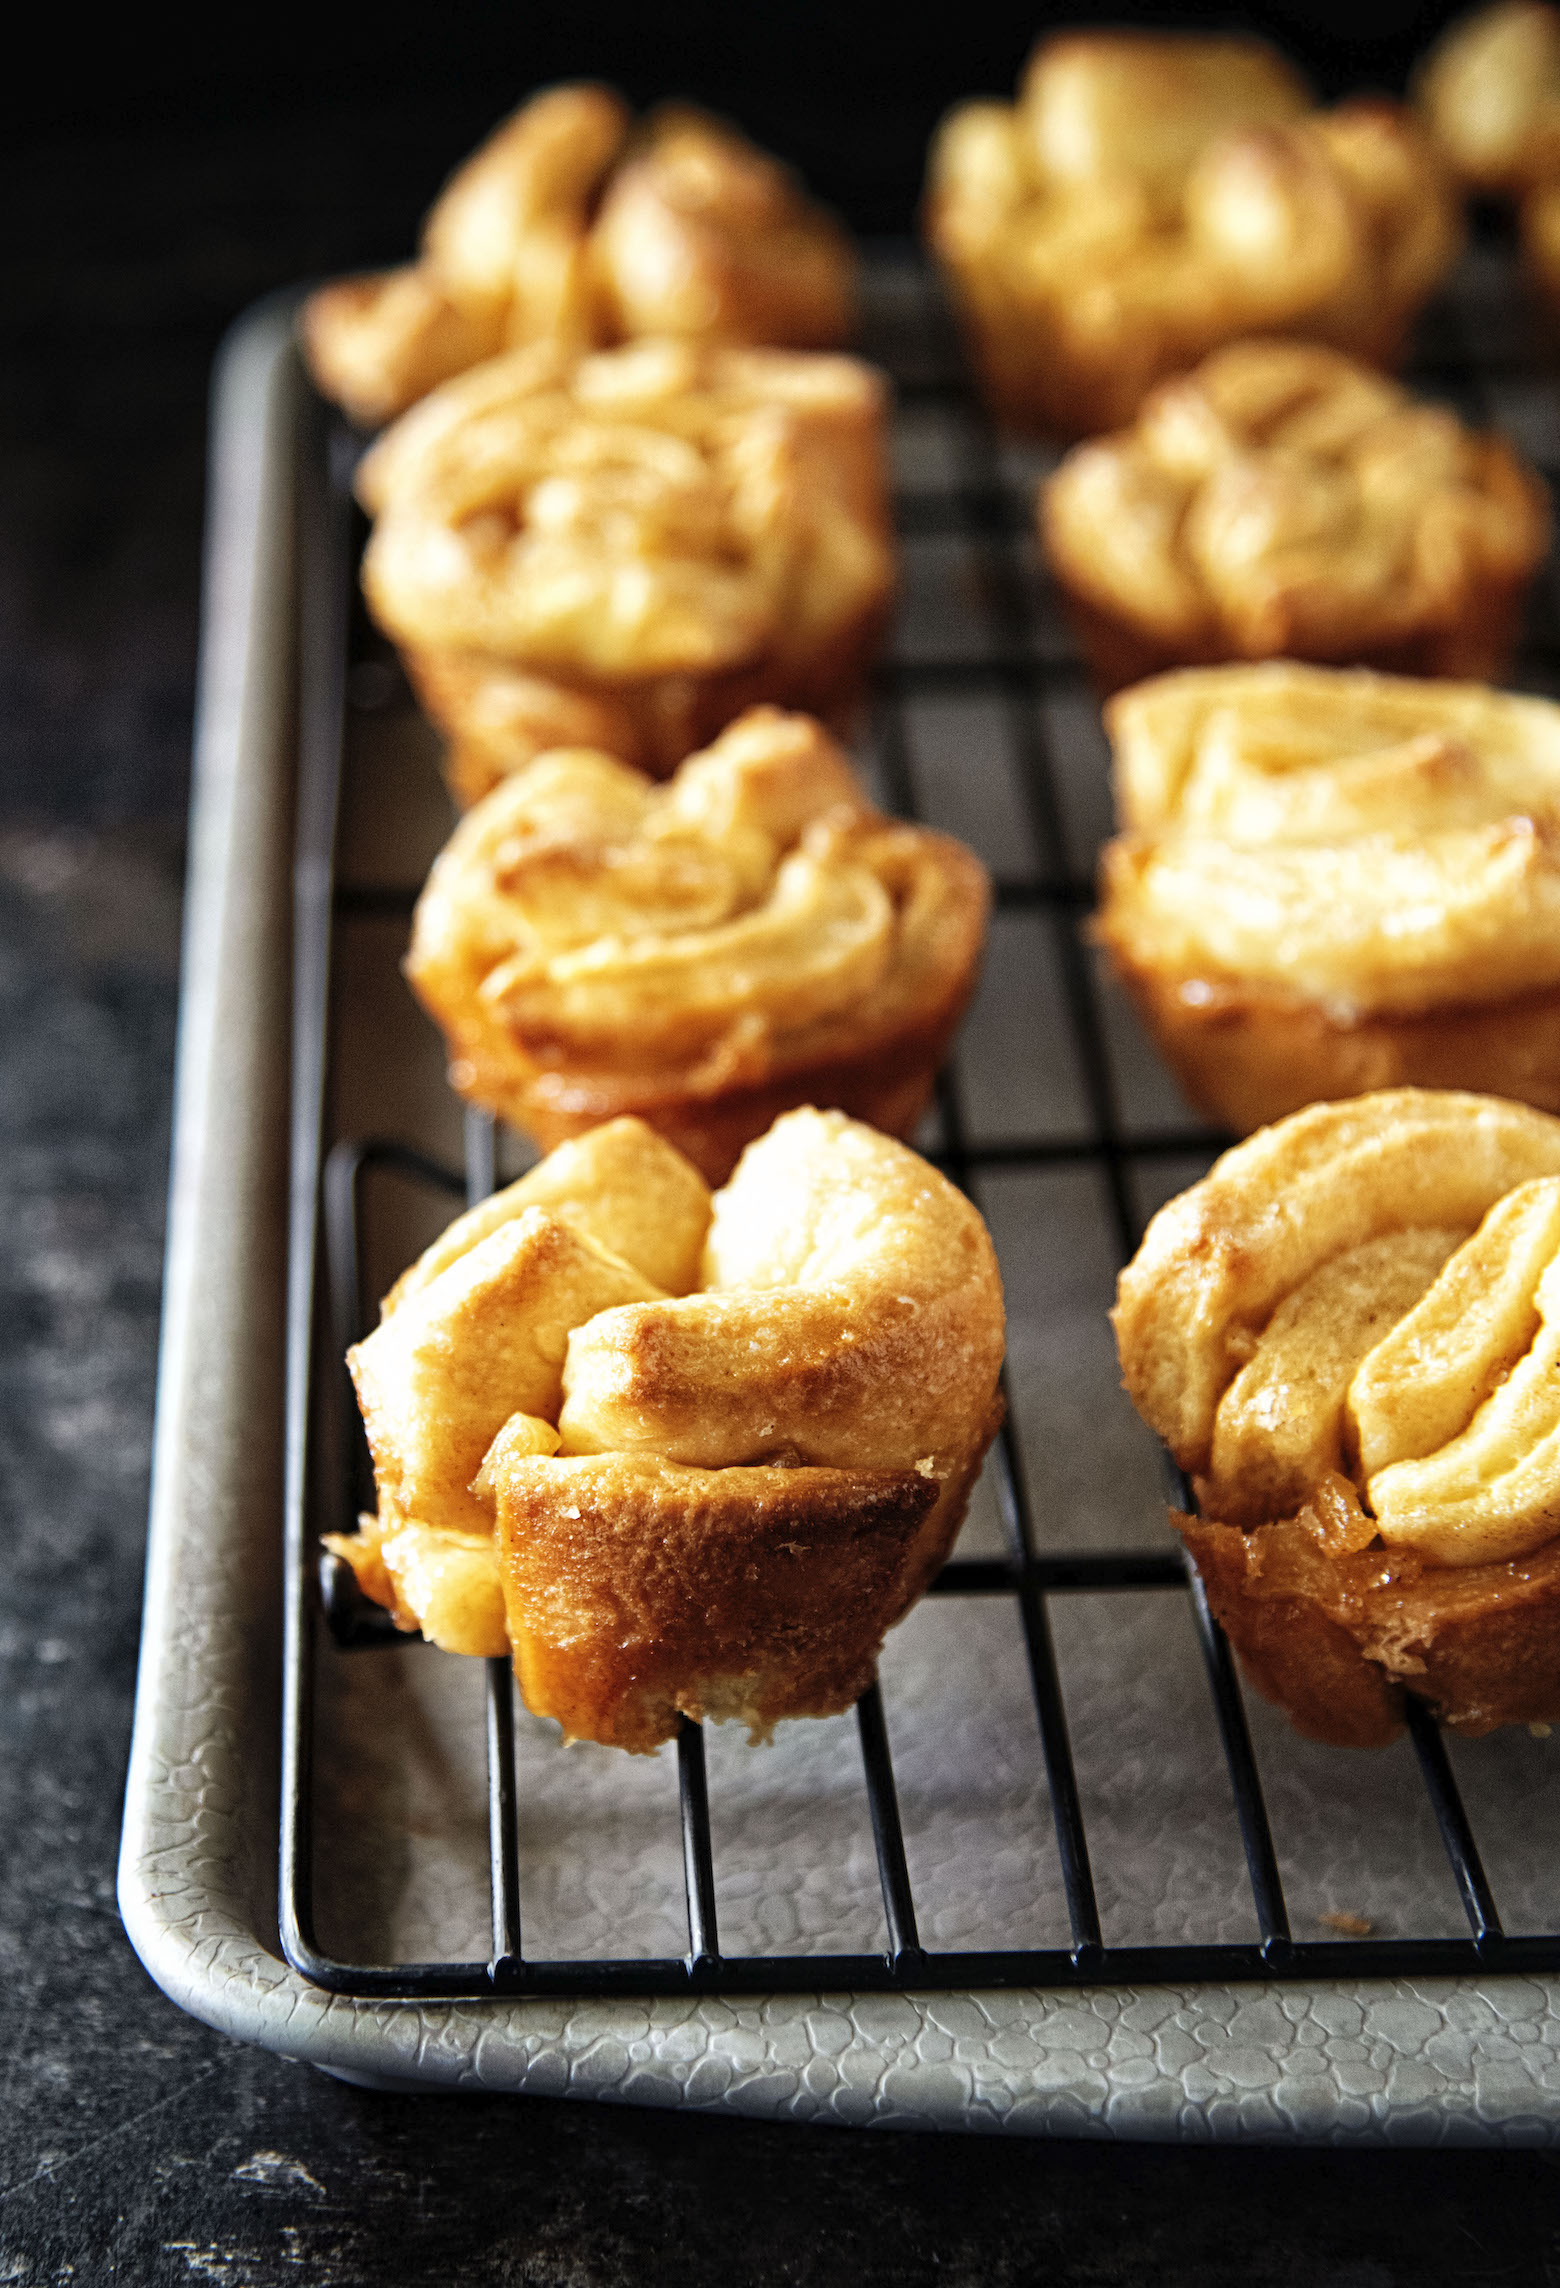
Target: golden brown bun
(566, 227)
(647, 539)
(1335, 881)
(706, 955)
(1284, 501)
(1490, 89)
(1153, 196)
(1349, 1335)
(712, 1495)
(639, 1591)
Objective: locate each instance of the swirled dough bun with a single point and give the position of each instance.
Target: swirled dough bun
(645, 541)
(1349, 1334)
(704, 954)
(684, 1455)
(1283, 501)
(568, 225)
(1333, 881)
(1151, 196)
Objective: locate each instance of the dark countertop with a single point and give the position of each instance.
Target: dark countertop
(137, 2145)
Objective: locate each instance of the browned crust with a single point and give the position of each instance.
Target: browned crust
(1337, 1641)
(655, 723)
(1246, 1054)
(889, 1088)
(637, 1593)
(933, 1544)
(1476, 648)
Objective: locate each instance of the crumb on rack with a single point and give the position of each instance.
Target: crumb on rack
(1347, 1926)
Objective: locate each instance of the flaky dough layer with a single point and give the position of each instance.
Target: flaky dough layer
(710, 1496)
(1150, 197)
(569, 225)
(706, 954)
(1337, 881)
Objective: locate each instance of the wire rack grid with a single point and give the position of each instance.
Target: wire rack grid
(985, 633)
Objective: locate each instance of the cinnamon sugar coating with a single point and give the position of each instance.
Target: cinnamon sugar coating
(1151, 196)
(1285, 501)
(751, 936)
(1349, 1335)
(1334, 881)
(636, 543)
(570, 226)
(659, 1516)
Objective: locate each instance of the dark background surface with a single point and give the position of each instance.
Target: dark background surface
(152, 193)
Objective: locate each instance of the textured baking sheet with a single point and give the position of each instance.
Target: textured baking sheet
(401, 1827)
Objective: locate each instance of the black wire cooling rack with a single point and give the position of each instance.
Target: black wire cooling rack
(1473, 353)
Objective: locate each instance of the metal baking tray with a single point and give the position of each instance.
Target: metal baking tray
(1056, 1876)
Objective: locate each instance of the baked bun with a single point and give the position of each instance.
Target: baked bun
(660, 535)
(1151, 196)
(683, 1455)
(1284, 501)
(1490, 90)
(568, 226)
(1332, 882)
(706, 954)
(1349, 1335)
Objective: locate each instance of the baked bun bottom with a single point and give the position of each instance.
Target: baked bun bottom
(1246, 1055)
(653, 723)
(1475, 649)
(890, 1092)
(654, 1590)
(1337, 1640)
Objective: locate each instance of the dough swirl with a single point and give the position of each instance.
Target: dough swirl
(751, 934)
